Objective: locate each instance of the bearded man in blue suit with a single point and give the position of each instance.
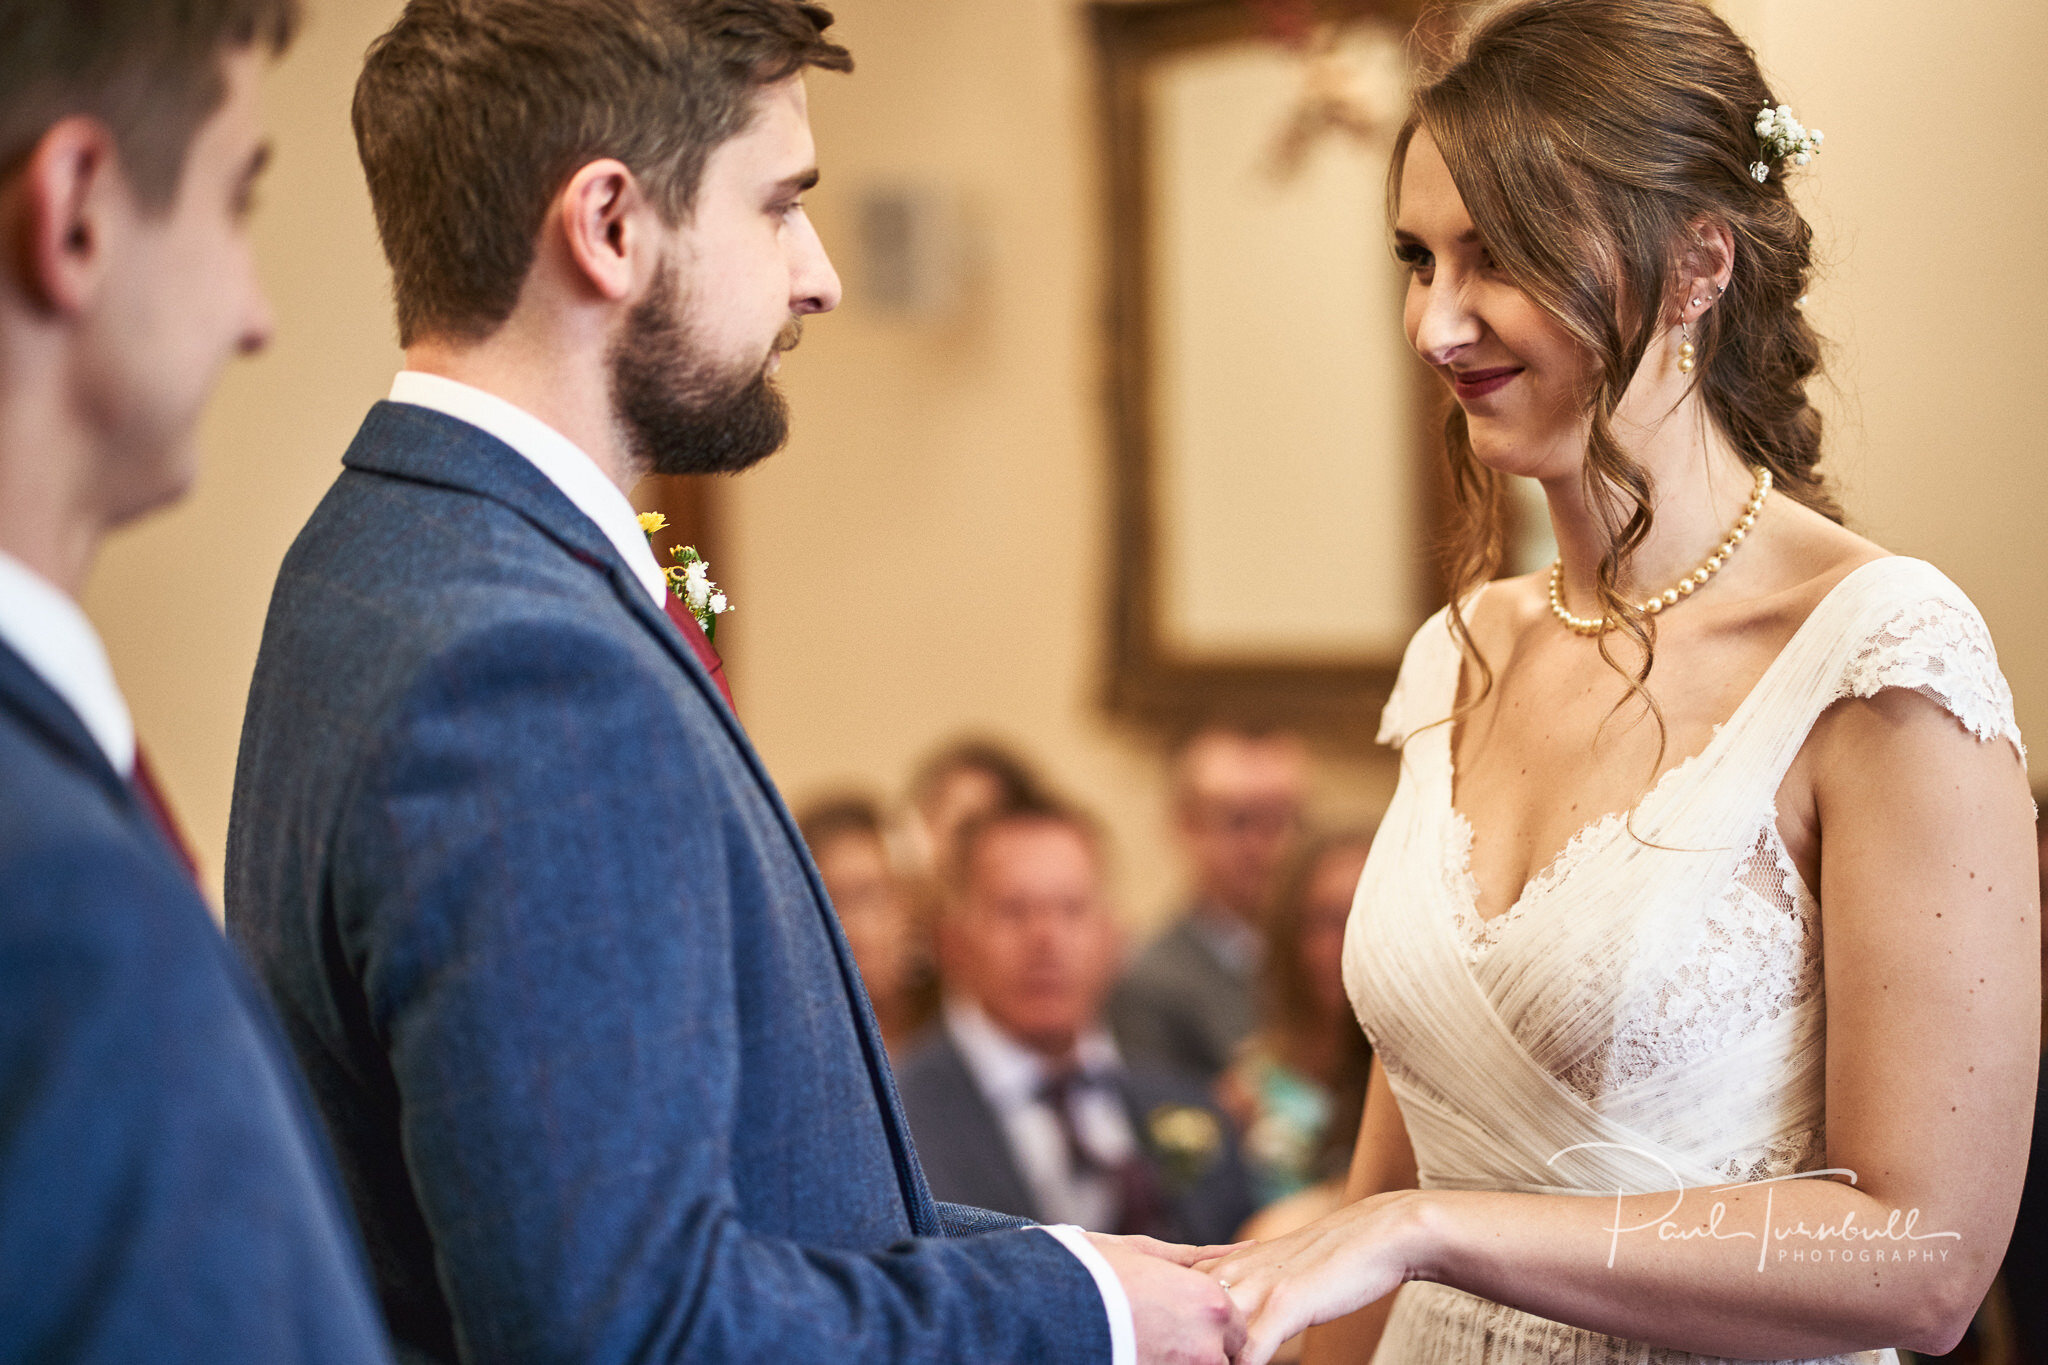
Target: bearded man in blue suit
(600, 1072)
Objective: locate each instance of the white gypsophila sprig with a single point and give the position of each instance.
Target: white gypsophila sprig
(1782, 137)
(691, 581)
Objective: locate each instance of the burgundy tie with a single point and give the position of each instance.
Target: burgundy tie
(686, 622)
(152, 797)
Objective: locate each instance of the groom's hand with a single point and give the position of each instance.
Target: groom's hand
(1181, 1317)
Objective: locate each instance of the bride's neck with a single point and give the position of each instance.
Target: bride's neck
(1698, 485)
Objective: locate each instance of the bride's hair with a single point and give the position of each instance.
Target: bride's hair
(1589, 140)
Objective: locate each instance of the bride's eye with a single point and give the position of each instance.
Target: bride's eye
(1414, 257)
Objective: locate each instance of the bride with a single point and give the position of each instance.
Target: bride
(1698, 948)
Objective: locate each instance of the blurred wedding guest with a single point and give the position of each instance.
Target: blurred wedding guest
(1020, 1101)
(845, 836)
(165, 1194)
(962, 780)
(1189, 1000)
(1297, 1087)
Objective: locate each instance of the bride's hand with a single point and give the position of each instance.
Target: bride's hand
(1334, 1266)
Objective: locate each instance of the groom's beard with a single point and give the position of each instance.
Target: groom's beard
(680, 412)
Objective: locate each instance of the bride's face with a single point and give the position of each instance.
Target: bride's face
(1508, 363)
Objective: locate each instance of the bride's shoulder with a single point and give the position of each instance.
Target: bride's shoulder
(1501, 610)
(1899, 625)
(1426, 685)
(1492, 615)
(1823, 562)
(1815, 567)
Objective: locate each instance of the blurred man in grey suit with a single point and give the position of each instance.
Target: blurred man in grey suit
(1019, 1099)
(1238, 799)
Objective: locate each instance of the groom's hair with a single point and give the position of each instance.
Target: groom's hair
(470, 115)
(148, 69)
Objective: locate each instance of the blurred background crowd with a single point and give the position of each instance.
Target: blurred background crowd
(1052, 1069)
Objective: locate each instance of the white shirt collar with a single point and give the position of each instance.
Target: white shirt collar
(1008, 1072)
(565, 463)
(53, 637)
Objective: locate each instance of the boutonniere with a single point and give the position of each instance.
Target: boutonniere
(1186, 1140)
(690, 579)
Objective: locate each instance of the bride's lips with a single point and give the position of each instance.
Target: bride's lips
(1471, 384)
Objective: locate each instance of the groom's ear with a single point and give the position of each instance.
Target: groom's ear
(608, 229)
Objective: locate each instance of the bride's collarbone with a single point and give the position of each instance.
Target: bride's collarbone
(1528, 787)
(1560, 743)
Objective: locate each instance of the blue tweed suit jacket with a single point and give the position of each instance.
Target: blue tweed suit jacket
(601, 1076)
(165, 1193)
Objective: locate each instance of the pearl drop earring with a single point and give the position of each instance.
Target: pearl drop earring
(1685, 349)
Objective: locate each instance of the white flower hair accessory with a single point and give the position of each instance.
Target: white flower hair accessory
(1782, 137)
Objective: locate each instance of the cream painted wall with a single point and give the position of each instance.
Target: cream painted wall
(928, 554)
(926, 557)
(181, 597)
(1930, 202)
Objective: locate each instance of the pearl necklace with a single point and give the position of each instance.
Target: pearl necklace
(1687, 586)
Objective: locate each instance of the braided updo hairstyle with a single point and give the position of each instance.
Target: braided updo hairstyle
(1588, 138)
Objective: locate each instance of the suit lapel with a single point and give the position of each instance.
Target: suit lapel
(406, 441)
(411, 442)
(976, 1129)
(24, 694)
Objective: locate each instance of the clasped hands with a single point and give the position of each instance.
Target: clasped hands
(1239, 1304)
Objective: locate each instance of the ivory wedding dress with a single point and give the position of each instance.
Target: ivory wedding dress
(1657, 991)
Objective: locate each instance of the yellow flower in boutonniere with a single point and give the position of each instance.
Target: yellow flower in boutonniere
(653, 523)
(1186, 1139)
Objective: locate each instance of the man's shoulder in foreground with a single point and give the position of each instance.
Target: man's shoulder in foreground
(165, 1190)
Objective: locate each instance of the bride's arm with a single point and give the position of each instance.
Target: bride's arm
(1931, 899)
(1382, 1161)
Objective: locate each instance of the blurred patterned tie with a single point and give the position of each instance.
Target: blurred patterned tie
(1141, 1210)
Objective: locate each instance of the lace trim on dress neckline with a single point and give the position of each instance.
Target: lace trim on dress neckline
(1482, 930)
(1929, 645)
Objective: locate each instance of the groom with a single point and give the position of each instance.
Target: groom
(569, 994)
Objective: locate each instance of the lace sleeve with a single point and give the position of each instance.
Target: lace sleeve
(1943, 651)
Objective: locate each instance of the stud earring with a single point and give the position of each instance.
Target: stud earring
(1685, 350)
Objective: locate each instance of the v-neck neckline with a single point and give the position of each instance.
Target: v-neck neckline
(1596, 831)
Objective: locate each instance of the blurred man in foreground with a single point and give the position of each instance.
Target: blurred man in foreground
(164, 1193)
(1190, 998)
(1021, 1102)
